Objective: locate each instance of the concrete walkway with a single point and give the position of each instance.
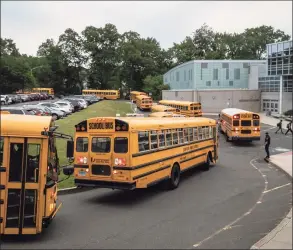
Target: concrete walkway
(281, 236)
(272, 121)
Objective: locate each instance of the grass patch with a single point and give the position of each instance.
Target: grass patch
(66, 126)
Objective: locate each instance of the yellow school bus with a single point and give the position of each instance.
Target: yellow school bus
(192, 109)
(29, 167)
(165, 114)
(164, 108)
(103, 93)
(240, 125)
(144, 102)
(132, 152)
(49, 91)
(134, 94)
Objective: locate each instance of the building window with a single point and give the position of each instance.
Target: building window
(230, 83)
(215, 74)
(204, 65)
(227, 74)
(208, 83)
(191, 74)
(218, 83)
(225, 65)
(236, 74)
(184, 75)
(177, 76)
(245, 65)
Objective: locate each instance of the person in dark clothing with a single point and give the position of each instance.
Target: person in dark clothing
(267, 145)
(289, 127)
(279, 126)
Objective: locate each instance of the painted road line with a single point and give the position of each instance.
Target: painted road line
(267, 191)
(230, 225)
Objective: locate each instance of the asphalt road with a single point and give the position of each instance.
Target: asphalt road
(222, 208)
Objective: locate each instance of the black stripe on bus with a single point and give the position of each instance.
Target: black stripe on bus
(151, 172)
(162, 149)
(192, 158)
(163, 159)
(22, 192)
(81, 166)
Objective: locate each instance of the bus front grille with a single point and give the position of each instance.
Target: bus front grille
(246, 131)
(101, 170)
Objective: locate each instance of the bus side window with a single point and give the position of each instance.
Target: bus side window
(154, 139)
(168, 138)
(200, 133)
(185, 134)
(175, 136)
(1, 150)
(161, 139)
(143, 141)
(195, 135)
(181, 138)
(190, 134)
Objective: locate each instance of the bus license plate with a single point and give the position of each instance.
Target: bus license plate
(81, 173)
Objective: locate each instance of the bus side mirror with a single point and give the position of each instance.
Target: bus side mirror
(70, 149)
(68, 170)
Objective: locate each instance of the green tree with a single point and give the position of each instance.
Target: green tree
(155, 85)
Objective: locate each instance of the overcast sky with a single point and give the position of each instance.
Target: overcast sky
(31, 23)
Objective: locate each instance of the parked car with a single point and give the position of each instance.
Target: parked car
(53, 105)
(67, 106)
(18, 98)
(76, 105)
(11, 98)
(24, 97)
(45, 110)
(82, 101)
(16, 110)
(56, 113)
(4, 99)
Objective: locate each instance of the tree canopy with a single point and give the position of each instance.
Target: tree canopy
(102, 58)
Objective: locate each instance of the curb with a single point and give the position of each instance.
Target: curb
(73, 190)
(281, 225)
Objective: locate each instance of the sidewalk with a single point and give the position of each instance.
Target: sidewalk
(272, 121)
(281, 236)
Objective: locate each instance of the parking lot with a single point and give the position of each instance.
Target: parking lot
(45, 105)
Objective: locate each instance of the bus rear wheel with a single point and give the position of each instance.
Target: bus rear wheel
(206, 165)
(175, 177)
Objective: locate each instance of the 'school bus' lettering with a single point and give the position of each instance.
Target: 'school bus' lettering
(238, 124)
(141, 152)
(100, 125)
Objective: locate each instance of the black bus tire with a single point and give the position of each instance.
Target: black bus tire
(175, 177)
(206, 165)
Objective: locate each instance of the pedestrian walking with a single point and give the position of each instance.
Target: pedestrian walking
(279, 126)
(289, 127)
(267, 146)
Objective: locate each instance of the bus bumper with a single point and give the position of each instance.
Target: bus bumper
(105, 184)
(236, 138)
(47, 220)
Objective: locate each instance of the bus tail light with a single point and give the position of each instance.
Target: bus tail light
(120, 162)
(256, 129)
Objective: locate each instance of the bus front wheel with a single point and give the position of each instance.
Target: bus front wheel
(175, 177)
(206, 165)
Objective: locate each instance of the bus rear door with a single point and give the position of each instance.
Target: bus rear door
(100, 156)
(22, 194)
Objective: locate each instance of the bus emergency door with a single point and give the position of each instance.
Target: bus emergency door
(22, 188)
